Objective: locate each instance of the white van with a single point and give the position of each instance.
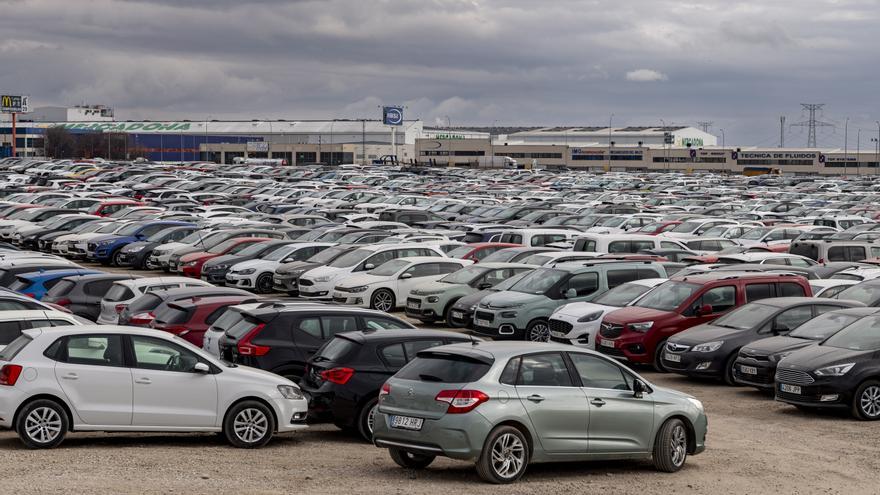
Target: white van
(624, 243)
(535, 237)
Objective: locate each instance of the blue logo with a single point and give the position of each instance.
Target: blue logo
(392, 115)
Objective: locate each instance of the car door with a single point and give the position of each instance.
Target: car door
(619, 422)
(91, 371)
(166, 390)
(556, 407)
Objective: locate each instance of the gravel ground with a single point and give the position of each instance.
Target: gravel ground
(755, 445)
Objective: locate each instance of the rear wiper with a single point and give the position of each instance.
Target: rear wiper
(430, 378)
(320, 358)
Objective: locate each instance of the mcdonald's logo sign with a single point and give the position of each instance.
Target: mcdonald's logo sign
(14, 104)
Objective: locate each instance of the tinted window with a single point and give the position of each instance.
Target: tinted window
(788, 289)
(445, 368)
(720, 298)
(511, 371)
(9, 305)
(380, 323)
(620, 277)
(13, 348)
(790, 319)
(93, 350)
(337, 349)
(596, 372)
(584, 284)
(9, 331)
(393, 355)
(544, 370)
(310, 327)
(424, 270)
(97, 288)
(118, 293)
(414, 347)
(62, 288)
(837, 253)
(755, 292)
(338, 324)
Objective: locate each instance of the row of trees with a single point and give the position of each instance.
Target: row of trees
(61, 143)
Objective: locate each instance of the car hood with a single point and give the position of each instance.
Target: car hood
(105, 237)
(225, 259)
(171, 246)
(362, 279)
(433, 287)
(296, 266)
(706, 332)
(818, 356)
(324, 271)
(509, 299)
(257, 263)
(632, 314)
(472, 299)
(135, 245)
(582, 308)
(196, 256)
(773, 345)
(261, 375)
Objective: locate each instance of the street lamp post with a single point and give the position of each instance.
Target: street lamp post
(845, 145)
(269, 143)
(610, 119)
(878, 146)
(858, 149)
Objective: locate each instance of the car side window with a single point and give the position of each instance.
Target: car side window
(97, 288)
(445, 268)
(510, 373)
(584, 284)
(12, 306)
(620, 277)
(211, 318)
(792, 318)
(393, 355)
(423, 270)
(669, 245)
(857, 253)
(412, 348)
(619, 247)
(9, 331)
(379, 258)
(544, 370)
(338, 324)
(379, 323)
(92, 350)
(720, 298)
(788, 289)
(836, 253)
(310, 327)
(596, 372)
(641, 246)
(755, 292)
(157, 354)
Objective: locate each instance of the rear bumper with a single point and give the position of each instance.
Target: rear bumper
(459, 436)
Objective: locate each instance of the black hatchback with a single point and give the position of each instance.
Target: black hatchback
(343, 379)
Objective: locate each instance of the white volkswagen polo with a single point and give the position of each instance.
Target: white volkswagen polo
(126, 379)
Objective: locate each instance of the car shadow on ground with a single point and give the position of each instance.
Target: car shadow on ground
(163, 440)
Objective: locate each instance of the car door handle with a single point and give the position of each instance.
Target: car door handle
(535, 398)
(597, 402)
(145, 381)
(71, 376)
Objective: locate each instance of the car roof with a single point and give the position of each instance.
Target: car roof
(500, 350)
(784, 302)
(393, 336)
(716, 276)
(27, 314)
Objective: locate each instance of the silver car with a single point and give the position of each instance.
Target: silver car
(506, 404)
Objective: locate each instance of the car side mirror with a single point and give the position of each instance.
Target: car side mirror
(639, 388)
(484, 286)
(703, 310)
(369, 266)
(571, 294)
(777, 329)
(201, 368)
(406, 276)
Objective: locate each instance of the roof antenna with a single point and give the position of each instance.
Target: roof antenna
(473, 340)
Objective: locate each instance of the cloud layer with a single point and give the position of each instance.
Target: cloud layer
(469, 62)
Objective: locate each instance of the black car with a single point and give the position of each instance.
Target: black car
(756, 364)
(215, 269)
(843, 371)
(82, 294)
(135, 254)
(343, 379)
(63, 223)
(282, 337)
(286, 278)
(711, 349)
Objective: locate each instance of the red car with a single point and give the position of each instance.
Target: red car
(479, 250)
(189, 319)
(656, 228)
(106, 208)
(191, 264)
(638, 333)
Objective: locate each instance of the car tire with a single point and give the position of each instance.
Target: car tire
(249, 424)
(117, 261)
(382, 300)
(261, 286)
(447, 314)
(505, 456)
(410, 460)
(670, 446)
(365, 418)
(866, 401)
(42, 424)
(538, 331)
(658, 354)
(728, 377)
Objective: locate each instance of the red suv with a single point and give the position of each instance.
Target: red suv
(637, 333)
(110, 206)
(189, 319)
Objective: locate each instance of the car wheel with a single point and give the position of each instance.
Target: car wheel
(728, 370)
(42, 424)
(366, 418)
(117, 258)
(505, 456)
(264, 283)
(538, 331)
(383, 300)
(670, 446)
(410, 460)
(249, 424)
(866, 401)
(658, 353)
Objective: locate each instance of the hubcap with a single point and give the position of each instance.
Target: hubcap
(870, 401)
(508, 455)
(371, 418)
(43, 425)
(250, 425)
(382, 301)
(678, 445)
(540, 333)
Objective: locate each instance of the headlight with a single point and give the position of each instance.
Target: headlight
(361, 288)
(642, 326)
(105, 243)
(247, 271)
(325, 278)
(709, 346)
(135, 249)
(592, 317)
(472, 308)
(290, 392)
(696, 403)
(433, 299)
(189, 263)
(220, 267)
(836, 370)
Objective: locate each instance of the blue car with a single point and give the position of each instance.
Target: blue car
(106, 249)
(37, 284)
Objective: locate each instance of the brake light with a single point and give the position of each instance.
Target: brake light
(120, 308)
(339, 376)
(386, 389)
(461, 401)
(63, 302)
(30, 295)
(9, 374)
(141, 319)
(246, 348)
(820, 260)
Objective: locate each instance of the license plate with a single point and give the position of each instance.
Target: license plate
(406, 422)
(791, 389)
(672, 358)
(413, 305)
(748, 370)
(457, 314)
(482, 323)
(607, 343)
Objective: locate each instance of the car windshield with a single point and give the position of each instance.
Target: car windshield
(755, 234)
(863, 293)
(460, 251)
(822, 326)
(253, 250)
(500, 256)
(389, 268)
(539, 281)
(686, 227)
(622, 294)
(536, 259)
(351, 259)
(193, 238)
(465, 275)
(746, 317)
(716, 231)
(329, 254)
(276, 253)
(668, 296)
(859, 336)
(129, 229)
(108, 228)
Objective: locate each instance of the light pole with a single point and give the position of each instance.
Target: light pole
(492, 144)
(269, 144)
(610, 120)
(845, 145)
(858, 149)
(665, 145)
(878, 146)
(332, 123)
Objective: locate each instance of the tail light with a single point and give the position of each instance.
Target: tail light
(386, 389)
(63, 302)
(9, 374)
(820, 260)
(141, 319)
(461, 401)
(120, 308)
(246, 348)
(30, 295)
(339, 376)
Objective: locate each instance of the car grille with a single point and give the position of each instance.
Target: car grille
(794, 377)
(482, 315)
(796, 397)
(673, 347)
(340, 299)
(92, 246)
(559, 326)
(610, 330)
(306, 282)
(611, 351)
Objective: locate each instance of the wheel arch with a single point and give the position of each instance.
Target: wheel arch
(255, 399)
(689, 426)
(54, 398)
(522, 429)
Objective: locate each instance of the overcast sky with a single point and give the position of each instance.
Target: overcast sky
(473, 62)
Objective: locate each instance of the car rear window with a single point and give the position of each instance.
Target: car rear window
(337, 349)
(443, 368)
(173, 314)
(61, 288)
(14, 347)
(19, 284)
(242, 327)
(118, 293)
(147, 302)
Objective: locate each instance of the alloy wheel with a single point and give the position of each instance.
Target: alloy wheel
(382, 301)
(264, 283)
(678, 444)
(43, 425)
(540, 332)
(870, 401)
(508, 455)
(250, 425)
(371, 418)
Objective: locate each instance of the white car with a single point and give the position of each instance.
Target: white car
(385, 287)
(257, 274)
(122, 292)
(12, 322)
(227, 320)
(127, 379)
(578, 323)
(830, 287)
(61, 244)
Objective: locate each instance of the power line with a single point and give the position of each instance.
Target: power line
(812, 123)
(705, 126)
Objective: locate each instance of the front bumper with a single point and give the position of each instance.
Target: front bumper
(360, 299)
(240, 281)
(418, 307)
(318, 290)
(285, 283)
(696, 364)
(214, 277)
(292, 414)
(833, 393)
(630, 348)
(763, 376)
(565, 329)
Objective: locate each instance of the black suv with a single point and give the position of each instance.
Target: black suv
(343, 380)
(282, 337)
(82, 294)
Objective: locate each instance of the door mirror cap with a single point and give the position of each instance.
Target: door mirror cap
(369, 266)
(571, 294)
(704, 310)
(484, 286)
(201, 368)
(639, 388)
(406, 275)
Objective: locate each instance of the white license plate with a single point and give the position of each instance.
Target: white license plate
(482, 323)
(406, 422)
(413, 305)
(672, 358)
(607, 343)
(748, 370)
(457, 314)
(791, 389)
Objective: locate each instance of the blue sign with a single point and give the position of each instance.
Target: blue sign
(392, 115)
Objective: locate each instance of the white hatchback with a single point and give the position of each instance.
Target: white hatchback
(126, 379)
(123, 292)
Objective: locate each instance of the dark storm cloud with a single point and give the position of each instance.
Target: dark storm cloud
(740, 64)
